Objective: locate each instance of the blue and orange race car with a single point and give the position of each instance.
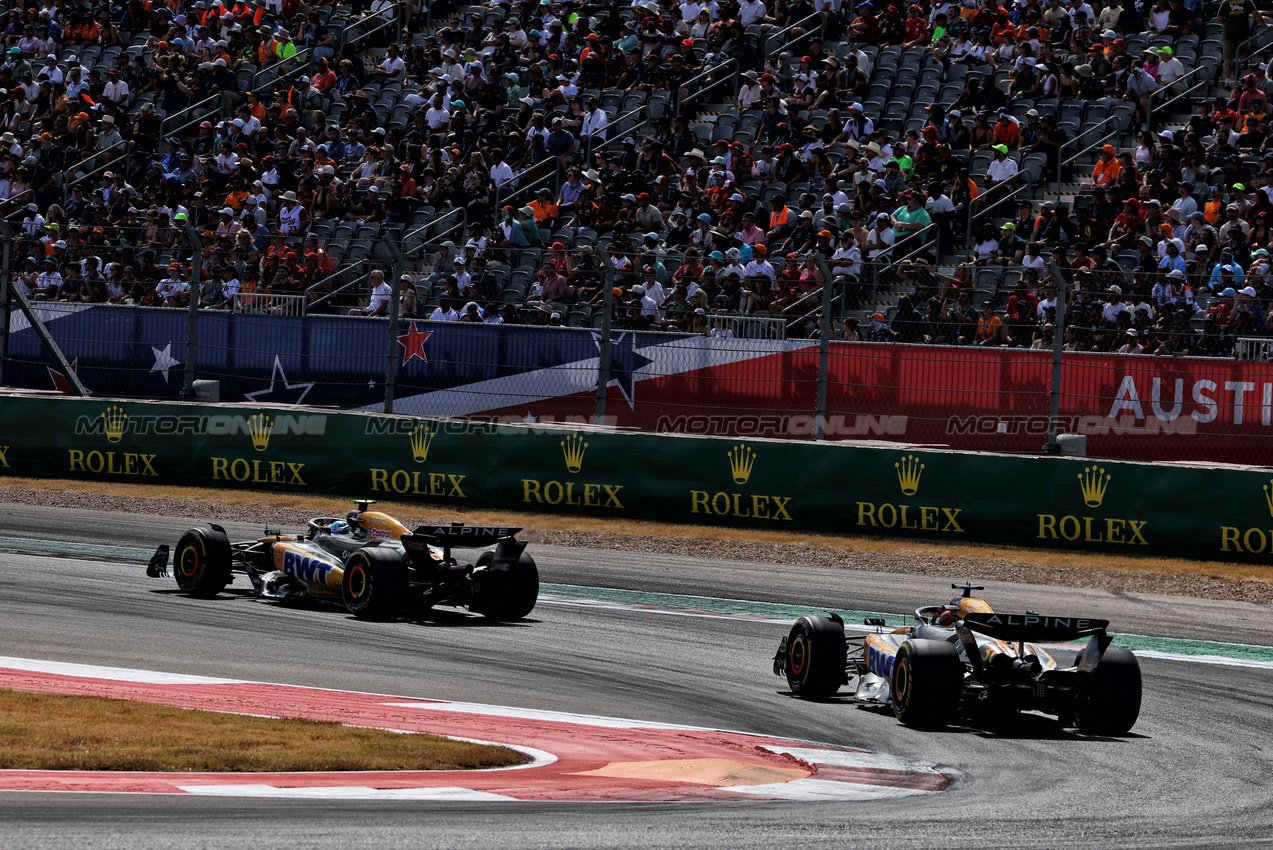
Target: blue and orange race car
(965, 662)
(367, 561)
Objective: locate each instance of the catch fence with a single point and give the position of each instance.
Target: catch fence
(623, 346)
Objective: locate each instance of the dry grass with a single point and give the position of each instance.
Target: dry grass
(58, 732)
(545, 524)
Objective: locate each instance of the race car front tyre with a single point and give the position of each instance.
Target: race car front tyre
(374, 586)
(504, 591)
(201, 563)
(816, 657)
(925, 684)
(1112, 702)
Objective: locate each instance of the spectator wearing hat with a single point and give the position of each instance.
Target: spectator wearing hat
(1002, 169)
(880, 239)
(1106, 171)
(1227, 272)
(174, 290)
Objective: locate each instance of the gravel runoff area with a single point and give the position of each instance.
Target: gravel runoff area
(1171, 584)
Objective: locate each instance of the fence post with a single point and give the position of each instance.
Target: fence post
(603, 361)
(391, 360)
(192, 316)
(824, 351)
(6, 233)
(1058, 340)
(1060, 165)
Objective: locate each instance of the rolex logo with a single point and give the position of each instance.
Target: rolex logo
(741, 460)
(116, 421)
(573, 448)
(1268, 496)
(1093, 481)
(909, 469)
(260, 427)
(421, 438)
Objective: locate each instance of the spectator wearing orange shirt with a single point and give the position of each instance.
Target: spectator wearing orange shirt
(989, 326)
(544, 206)
(324, 78)
(1106, 171)
(1006, 131)
(1211, 209)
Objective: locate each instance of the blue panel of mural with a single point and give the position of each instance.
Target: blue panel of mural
(137, 352)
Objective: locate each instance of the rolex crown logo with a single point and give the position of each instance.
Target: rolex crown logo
(1093, 481)
(573, 448)
(741, 460)
(421, 438)
(116, 421)
(909, 469)
(1268, 496)
(259, 428)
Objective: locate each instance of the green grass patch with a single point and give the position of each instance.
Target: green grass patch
(58, 732)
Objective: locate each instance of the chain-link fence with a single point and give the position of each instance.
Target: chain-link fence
(612, 331)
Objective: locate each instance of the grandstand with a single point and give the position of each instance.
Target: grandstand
(675, 162)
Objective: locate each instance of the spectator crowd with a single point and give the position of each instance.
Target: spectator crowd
(497, 144)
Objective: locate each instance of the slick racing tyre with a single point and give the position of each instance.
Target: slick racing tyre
(504, 591)
(201, 563)
(926, 682)
(816, 657)
(1112, 703)
(374, 585)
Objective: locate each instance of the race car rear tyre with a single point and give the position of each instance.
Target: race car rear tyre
(816, 656)
(925, 684)
(374, 586)
(201, 563)
(505, 591)
(1112, 703)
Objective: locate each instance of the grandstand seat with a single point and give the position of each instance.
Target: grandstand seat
(633, 100)
(657, 105)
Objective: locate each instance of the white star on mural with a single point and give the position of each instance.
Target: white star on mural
(164, 360)
(284, 394)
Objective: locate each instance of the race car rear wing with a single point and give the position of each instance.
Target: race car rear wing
(457, 535)
(1035, 627)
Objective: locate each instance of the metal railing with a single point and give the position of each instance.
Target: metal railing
(1173, 100)
(928, 244)
(986, 205)
(534, 176)
(730, 66)
(459, 214)
(315, 296)
(302, 61)
(1253, 348)
(269, 303)
(754, 327)
(204, 104)
(782, 39)
(117, 162)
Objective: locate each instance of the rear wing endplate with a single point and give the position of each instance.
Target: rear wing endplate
(1035, 627)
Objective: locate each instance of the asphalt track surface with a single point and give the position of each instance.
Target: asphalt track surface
(1194, 772)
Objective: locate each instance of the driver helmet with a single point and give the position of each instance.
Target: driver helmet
(340, 527)
(945, 618)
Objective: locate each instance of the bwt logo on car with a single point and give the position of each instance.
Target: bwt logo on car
(305, 568)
